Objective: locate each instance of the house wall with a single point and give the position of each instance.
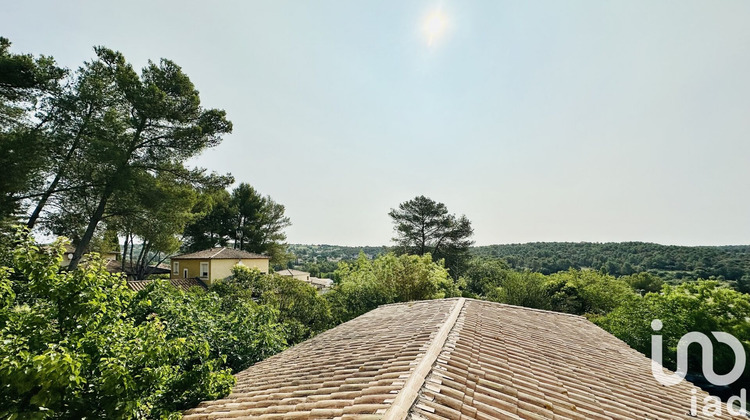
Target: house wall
(302, 277)
(193, 267)
(221, 269)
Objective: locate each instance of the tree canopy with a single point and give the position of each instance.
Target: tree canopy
(424, 226)
(243, 218)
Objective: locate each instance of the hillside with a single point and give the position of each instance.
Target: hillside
(668, 261)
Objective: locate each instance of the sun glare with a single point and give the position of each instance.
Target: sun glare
(434, 26)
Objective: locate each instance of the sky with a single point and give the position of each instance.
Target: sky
(539, 120)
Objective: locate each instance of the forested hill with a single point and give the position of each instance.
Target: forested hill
(670, 262)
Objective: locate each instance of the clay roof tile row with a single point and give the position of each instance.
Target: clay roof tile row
(455, 359)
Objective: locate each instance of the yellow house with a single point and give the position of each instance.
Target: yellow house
(214, 264)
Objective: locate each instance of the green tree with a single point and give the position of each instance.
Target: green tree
(303, 312)
(214, 225)
(72, 349)
(147, 124)
(483, 275)
(644, 282)
(259, 223)
(587, 292)
(237, 330)
(253, 222)
(702, 306)
(26, 85)
(522, 289)
(365, 284)
(424, 226)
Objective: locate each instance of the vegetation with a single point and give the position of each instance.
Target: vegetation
(76, 344)
(101, 154)
(26, 85)
(424, 226)
(671, 263)
(244, 218)
(365, 284)
(702, 306)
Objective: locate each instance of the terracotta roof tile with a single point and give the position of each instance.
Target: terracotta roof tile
(184, 284)
(479, 360)
(220, 254)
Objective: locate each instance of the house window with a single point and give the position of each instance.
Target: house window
(204, 269)
(176, 268)
(184, 273)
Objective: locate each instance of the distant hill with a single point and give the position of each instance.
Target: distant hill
(668, 261)
(672, 263)
(332, 253)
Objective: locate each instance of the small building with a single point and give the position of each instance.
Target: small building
(214, 264)
(297, 274)
(457, 359)
(321, 284)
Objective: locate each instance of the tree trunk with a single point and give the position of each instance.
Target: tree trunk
(93, 223)
(51, 189)
(125, 252)
(109, 188)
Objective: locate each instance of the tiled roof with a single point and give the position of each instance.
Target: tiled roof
(292, 272)
(221, 253)
(184, 284)
(455, 359)
(115, 266)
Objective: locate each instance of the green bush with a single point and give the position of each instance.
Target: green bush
(365, 284)
(81, 344)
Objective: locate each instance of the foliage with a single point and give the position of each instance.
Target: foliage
(303, 311)
(483, 275)
(365, 284)
(644, 282)
(118, 133)
(521, 289)
(26, 84)
(238, 331)
(424, 226)
(702, 306)
(253, 222)
(673, 264)
(72, 349)
(587, 292)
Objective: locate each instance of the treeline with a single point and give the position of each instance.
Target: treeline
(625, 258)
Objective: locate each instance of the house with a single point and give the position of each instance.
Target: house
(321, 284)
(214, 264)
(456, 359)
(297, 274)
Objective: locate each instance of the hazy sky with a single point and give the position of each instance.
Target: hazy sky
(540, 120)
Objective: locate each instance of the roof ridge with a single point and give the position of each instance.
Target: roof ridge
(220, 251)
(406, 398)
(507, 305)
